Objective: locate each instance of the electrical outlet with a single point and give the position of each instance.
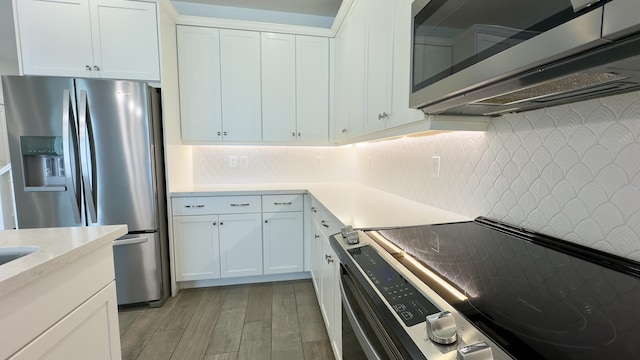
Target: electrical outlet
(435, 166)
(233, 161)
(244, 161)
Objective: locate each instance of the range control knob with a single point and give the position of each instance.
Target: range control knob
(477, 351)
(441, 328)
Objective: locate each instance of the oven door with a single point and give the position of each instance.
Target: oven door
(363, 335)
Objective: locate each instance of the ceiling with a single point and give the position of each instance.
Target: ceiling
(327, 8)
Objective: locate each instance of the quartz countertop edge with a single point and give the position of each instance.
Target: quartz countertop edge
(353, 204)
(57, 247)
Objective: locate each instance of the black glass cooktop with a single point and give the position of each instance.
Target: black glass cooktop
(537, 297)
(410, 305)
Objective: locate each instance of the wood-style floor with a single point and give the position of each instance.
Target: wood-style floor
(278, 320)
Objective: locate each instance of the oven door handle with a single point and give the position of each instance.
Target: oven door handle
(364, 341)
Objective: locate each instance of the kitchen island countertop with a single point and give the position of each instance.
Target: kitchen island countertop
(57, 248)
(353, 204)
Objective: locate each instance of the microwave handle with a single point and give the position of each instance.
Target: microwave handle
(358, 330)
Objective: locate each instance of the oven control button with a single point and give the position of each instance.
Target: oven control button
(477, 351)
(441, 328)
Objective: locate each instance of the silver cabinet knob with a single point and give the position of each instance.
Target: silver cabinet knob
(441, 328)
(477, 351)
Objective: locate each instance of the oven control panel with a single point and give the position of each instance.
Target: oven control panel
(410, 305)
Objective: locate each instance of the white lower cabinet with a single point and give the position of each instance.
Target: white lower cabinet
(240, 245)
(283, 240)
(88, 332)
(325, 273)
(197, 251)
(218, 237)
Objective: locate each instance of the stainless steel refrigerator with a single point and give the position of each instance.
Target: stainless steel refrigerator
(88, 152)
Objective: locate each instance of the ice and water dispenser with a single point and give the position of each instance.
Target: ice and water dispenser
(43, 163)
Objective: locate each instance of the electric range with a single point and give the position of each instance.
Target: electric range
(515, 293)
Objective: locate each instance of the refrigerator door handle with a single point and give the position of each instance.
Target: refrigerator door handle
(130, 241)
(87, 165)
(67, 124)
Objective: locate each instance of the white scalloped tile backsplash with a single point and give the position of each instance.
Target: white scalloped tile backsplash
(570, 171)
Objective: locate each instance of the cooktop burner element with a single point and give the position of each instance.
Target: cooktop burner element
(537, 297)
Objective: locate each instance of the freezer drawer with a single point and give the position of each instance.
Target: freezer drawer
(138, 269)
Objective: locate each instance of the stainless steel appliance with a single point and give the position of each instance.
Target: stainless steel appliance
(487, 290)
(89, 152)
(490, 57)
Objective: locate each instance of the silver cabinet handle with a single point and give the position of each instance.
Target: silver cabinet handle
(299, 134)
(283, 203)
(313, 209)
(344, 131)
(316, 236)
(224, 133)
(193, 206)
(245, 204)
(324, 223)
(329, 259)
(96, 67)
(219, 133)
(87, 67)
(293, 134)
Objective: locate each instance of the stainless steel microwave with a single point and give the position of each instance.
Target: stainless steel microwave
(490, 57)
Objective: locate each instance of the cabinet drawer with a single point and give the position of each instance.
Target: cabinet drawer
(277, 203)
(216, 205)
(328, 223)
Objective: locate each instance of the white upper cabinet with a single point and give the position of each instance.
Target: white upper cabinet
(279, 87)
(357, 67)
(241, 91)
(312, 89)
(251, 87)
(295, 88)
(89, 38)
(200, 96)
(379, 40)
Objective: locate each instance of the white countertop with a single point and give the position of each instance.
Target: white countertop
(57, 247)
(353, 204)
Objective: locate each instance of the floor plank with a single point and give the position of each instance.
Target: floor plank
(228, 330)
(127, 317)
(140, 332)
(256, 341)
(181, 313)
(193, 344)
(310, 319)
(286, 341)
(161, 345)
(318, 350)
(227, 356)
(259, 304)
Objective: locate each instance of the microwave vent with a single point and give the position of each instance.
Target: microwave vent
(567, 84)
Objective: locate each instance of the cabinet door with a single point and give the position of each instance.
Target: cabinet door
(55, 37)
(241, 92)
(88, 332)
(197, 247)
(328, 279)
(379, 40)
(317, 257)
(312, 89)
(278, 87)
(357, 40)
(125, 39)
(200, 96)
(240, 245)
(342, 61)
(283, 239)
